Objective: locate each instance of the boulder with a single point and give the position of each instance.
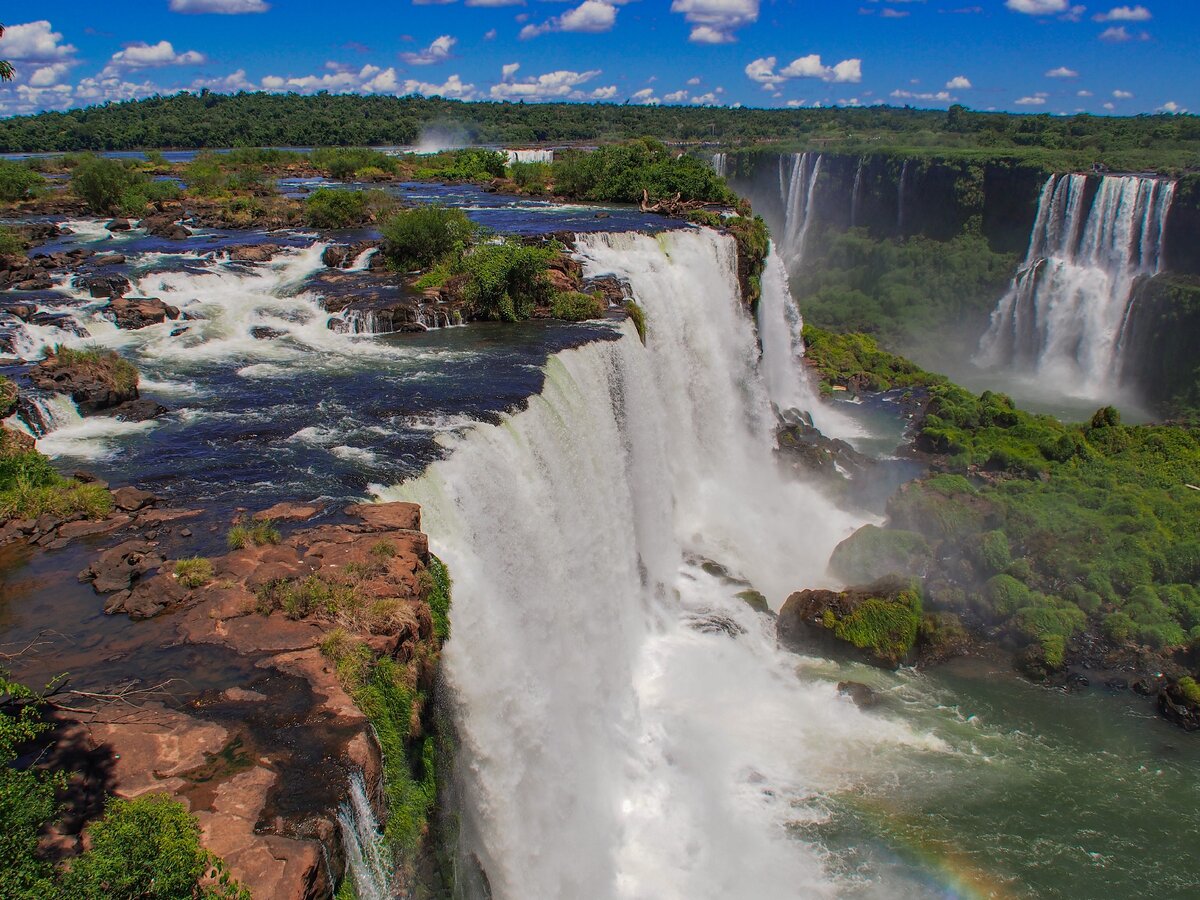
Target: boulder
(288, 512)
(863, 696)
(103, 285)
(1178, 702)
(118, 225)
(131, 499)
(108, 259)
(253, 252)
(879, 623)
(397, 516)
(165, 225)
(132, 313)
(336, 256)
(140, 410)
(95, 381)
(116, 569)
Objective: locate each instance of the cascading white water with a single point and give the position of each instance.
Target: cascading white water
(530, 156)
(362, 262)
(798, 204)
(611, 748)
(368, 860)
(901, 196)
(720, 164)
(1064, 314)
(856, 194)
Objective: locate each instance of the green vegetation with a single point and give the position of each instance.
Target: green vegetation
(886, 628)
(471, 164)
(753, 243)
(145, 848)
(1190, 689)
(19, 182)
(1047, 529)
(349, 163)
(530, 177)
(436, 586)
(417, 238)
(329, 208)
(621, 173)
(576, 307)
(257, 533)
(506, 280)
(12, 242)
(31, 487)
(638, 316)
(206, 119)
(101, 183)
(873, 552)
(194, 572)
(904, 291)
(856, 362)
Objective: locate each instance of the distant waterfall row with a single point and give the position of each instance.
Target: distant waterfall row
(1065, 315)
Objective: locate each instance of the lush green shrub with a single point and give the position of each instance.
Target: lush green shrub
(205, 176)
(638, 317)
(620, 173)
(506, 280)
(18, 181)
(12, 242)
(470, 164)
(417, 238)
(344, 163)
(437, 588)
(530, 176)
(30, 486)
(1190, 689)
(885, 627)
(147, 848)
(101, 183)
(576, 307)
(328, 208)
(256, 532)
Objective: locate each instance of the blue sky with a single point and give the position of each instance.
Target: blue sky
(1054, 56)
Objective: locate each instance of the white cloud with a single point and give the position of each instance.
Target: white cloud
(848, 70)
(589, 17)
(959, 83)
(490, 34)
(707, 99)
(509, 70)
(548, 86)
(676, 96)
(1116, 34)
(219, 7)
(46, 76)
(1171, 107)
(694, 80)
(1035, 100)
(34, 42)
(495, 2)
(1038, 7)
(234, 81)
(1110, 106)
(762, 70)
(604, 93)
(438, 51)
(645, 97)
(1062, 72)
(940, 96)
(146, 56)
(1084, 94)
(1123, 95)
(1125, 14)
(714, 21)
(453, 88)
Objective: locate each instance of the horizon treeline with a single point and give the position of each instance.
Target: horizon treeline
(207, 119)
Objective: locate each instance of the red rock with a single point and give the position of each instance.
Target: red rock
(397, 516)
(288, 512)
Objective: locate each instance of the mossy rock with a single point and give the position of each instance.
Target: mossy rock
(873, 552)
(755, 600)
(881, 622)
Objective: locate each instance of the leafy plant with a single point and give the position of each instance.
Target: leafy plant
(416, 238)
(194, 572)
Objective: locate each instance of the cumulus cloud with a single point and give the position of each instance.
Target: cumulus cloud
(1119, 34)
(550, 85)
(1035, 100)
(219, 7)
(763, 70)
(1062, 72)
(438, 51)
(940, 96)
(603, 93)
(147, 56)
(1124, 14)
(645, 97)
(714, 21)
(589, 17)
(1123, 95)
(959, 83)
(1171, 107)
(676, 96)
(34, 42)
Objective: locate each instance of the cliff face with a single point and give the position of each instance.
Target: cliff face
(892, 196)
(1182, 239)
(1160, 343)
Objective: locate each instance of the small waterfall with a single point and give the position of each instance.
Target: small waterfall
(720, 164)
(798, 205)
(901, 194)
(530, 156)
(856, 194)
(609, 748)
(1065, 313)
(368, 859)
(41, 413)
(362, 262)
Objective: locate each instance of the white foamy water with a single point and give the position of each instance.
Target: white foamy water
(368, 860)
(1064, 315)
(609, 747)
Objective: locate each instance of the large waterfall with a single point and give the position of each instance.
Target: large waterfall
(629, 728)
(797, 189)
(1064, 315)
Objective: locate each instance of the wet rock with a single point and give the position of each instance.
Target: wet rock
(132, 313)
(64, 321)
(602, 215)
(1178, 705)
(253, 252)
(140, 410)
(148, 598)
(879, 623)
(388, 516)
(1076, 682)
(108, 259)
(131, 499)
(118, 225)
(99, 286)
(1145, 687)
(715, 623)
(288, 512)
(863, 696)
(116, 569)
(94, 382)
(22, 310)
(1116, 684)
(336, 256)
(36, 283)
(265, 333)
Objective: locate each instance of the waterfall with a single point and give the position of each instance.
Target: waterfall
(368, 860)
(530, 156)
(798, 204)
(900, 194)
(40, 413)
(720, 164)
(613, 743)
(362, 262)
(1065, 312)
(856, 194)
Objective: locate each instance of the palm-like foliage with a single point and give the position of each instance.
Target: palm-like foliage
(6, 70)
